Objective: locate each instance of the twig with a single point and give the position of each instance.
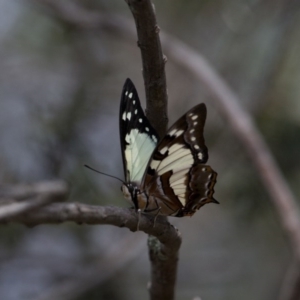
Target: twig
(36, 195)
(56, 213)
(148, 40)
(163, 261)
(153, 63)
(95, 215)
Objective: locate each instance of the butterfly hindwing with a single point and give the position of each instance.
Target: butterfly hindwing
(138, 137)
(176, 176)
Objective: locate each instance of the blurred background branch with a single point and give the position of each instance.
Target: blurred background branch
(91, 276)
(19, 199)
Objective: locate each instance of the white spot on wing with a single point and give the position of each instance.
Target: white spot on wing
(179, 132)
(200, 155)
(147, 129)
(133, 102)
(129, 116)
(130, 95)
(126, 93)
(195, 123)
(163, 150)
(193, 138)
(124, 116)
(175, 132)
(136, 111)
(194, 117)
(192, 130)
(154, 138)
(196, 147)
(140, 120)
(172, 132)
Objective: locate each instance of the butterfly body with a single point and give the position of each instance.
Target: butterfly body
(167, 177)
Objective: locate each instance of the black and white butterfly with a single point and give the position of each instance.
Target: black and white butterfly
(168, 176)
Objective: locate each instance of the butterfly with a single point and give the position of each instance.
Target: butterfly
(169, 176)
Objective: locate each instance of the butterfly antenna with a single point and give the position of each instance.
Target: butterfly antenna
(104, 174)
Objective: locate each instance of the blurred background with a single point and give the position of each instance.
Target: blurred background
(60, 89)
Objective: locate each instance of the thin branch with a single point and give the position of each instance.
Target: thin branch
(153, 63)
(148, 40)
(56, 213)
(95, 215)
(163, 263)
(35, 195)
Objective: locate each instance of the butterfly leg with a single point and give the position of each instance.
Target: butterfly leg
(139, 212)
(156, 215)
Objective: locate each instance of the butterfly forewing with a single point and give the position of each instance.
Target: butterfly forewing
(138, 137)
(176, 177)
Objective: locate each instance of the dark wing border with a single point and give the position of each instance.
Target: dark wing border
(125, 126)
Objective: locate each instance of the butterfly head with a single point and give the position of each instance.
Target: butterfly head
(133, 195)
(130, 192)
